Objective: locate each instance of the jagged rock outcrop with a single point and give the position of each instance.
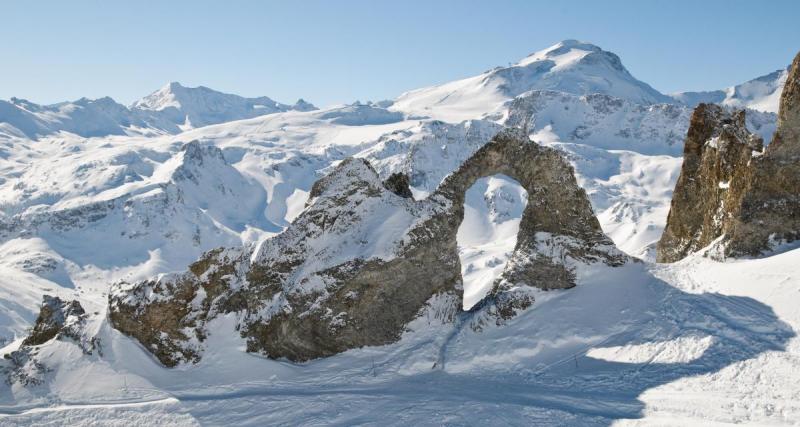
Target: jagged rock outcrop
(770, 210)
(58, 319)
(717, 154)
(558, 223)
(731, 191)
(361, 262)
(398, 183)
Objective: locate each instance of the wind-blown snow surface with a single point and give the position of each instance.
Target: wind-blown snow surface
(698, 342)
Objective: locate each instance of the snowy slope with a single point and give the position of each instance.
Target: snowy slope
(428, 151)
(570, 66)
(201, 106)
(602, 121)
(487, 236)
(692, 342)
(762, 94)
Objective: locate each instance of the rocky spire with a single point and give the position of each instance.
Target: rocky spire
(732, 193)
(786, 142)
(717, 154)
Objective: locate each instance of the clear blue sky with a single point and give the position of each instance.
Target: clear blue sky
(340, 51)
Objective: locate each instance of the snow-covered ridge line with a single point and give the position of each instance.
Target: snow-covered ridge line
(761, 94)
(572, 67)
(171, 109)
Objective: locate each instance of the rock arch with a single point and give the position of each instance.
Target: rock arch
(363, 260)
(558, 225)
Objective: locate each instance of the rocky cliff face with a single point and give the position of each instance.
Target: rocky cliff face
(58, 319)
(785, 142)
(731, 190)
(770, 211)
(364, 259)
(717, 158)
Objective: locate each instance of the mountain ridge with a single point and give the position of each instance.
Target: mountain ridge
(571, 66)
(761, 93)
(171, 109)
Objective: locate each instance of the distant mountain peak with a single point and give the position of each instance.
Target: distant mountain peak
(570, 53)
(170, 109)
(570, 66)
(303, 105)
(160, 99)
(559, 49)
(203, 106)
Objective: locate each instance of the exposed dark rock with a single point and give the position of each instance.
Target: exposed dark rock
(56, 317)
(362, 261)
(770, 210)
(398, 183)
(731, 191)
(786, 142)
(59, 320)
(717, 153)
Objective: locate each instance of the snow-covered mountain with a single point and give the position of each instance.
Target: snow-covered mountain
(570, 66)
(85, 117)
(93, 192)
(201, 106)
(171, 109)
(762, 94)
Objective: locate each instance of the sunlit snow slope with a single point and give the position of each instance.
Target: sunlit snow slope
(487, 236)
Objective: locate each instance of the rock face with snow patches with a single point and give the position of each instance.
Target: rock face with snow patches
(732, 189)
(717, 152)
(58, 319)
(331, 282)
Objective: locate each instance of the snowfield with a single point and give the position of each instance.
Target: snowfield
(88, 198)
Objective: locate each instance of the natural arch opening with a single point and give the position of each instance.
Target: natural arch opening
(487, 236)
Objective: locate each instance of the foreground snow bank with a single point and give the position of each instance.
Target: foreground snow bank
(694, 341)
